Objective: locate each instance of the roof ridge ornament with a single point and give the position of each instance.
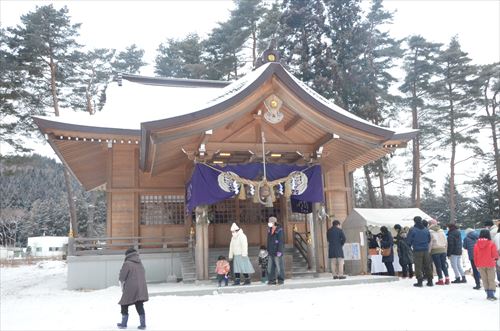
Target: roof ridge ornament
(269, 55)
(273, 105)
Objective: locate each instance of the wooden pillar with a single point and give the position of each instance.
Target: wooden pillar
(311, 254)
(319, 235)
(201, 249)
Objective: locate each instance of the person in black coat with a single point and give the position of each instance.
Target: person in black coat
(454, 253)
(386, 242)
(405, 253)
(336, 240)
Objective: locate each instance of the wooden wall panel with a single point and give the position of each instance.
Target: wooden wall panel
(175, 178)
(336, 193)
(124, 166)
(123, 219)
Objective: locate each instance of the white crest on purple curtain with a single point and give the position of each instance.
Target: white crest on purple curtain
(298, 180)
(226, 181)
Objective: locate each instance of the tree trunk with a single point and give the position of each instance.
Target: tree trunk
(91, 208)
(415, 186)
(71, 203)
(254, 47)
(452, 163)
(491, 119)
(53, 87)
(67, 182)
(369, 187)
(382, 186)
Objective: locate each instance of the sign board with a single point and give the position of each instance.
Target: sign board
(352, 251)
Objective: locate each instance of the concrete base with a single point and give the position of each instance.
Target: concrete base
(101, 271)
(212, 289)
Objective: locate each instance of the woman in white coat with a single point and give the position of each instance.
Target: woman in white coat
(238, 253)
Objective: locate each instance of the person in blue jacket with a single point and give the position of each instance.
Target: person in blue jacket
(419, 239)
(469, 241)
(275, 248)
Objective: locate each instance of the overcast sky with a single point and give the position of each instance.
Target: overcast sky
(117, 24)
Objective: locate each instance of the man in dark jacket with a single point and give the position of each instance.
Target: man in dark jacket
(470, 240)
(419, 238)
(134, 288)
(336, 240)
(275, 248)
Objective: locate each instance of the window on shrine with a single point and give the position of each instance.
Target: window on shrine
(162, 209)
(223, 212)
(241, 211)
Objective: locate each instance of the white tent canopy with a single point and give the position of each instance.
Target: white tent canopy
(374, 218)
(362, 219)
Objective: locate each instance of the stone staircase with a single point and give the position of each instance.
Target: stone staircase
(299, 265)
(188, 269)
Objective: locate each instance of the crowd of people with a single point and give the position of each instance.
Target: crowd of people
(428, 247)
(424, 245)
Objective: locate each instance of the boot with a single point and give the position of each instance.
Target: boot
(419, 283)
(440, 282)
(429, 282)
(477, 287)
(247, 281)
(142, 319)
(463, 280)
(123, 324)
(264, 280)
(236, 281)
(447, 281)
(491, 295)
(457, 280)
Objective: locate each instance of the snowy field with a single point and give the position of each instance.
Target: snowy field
(34, 298)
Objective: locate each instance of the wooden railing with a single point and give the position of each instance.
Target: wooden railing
(302, 246)
(117, 245)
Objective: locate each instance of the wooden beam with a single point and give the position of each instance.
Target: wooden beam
(271, 129)
(257, 147)
(239, 130)
(293, 122)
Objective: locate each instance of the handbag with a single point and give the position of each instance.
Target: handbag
(386, 251)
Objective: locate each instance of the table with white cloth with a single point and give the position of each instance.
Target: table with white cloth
(378, 266)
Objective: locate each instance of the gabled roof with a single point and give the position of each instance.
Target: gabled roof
(163, 115)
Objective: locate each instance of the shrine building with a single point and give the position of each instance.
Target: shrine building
(180, 160)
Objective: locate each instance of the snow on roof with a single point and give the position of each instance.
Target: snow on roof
(329, 103)
(129, 105)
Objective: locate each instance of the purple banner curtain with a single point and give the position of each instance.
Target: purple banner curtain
(203, 187)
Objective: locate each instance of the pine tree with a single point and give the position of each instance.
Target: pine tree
(299, 38)
(452, 111)
(487, 91)
(129, 61)
(419, 65)
(181, 58)
(46, 47)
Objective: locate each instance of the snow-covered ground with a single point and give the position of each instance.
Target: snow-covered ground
(34, 298)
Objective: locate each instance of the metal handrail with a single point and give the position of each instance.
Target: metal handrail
(301, 244)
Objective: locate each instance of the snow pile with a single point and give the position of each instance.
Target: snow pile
(34, 298)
